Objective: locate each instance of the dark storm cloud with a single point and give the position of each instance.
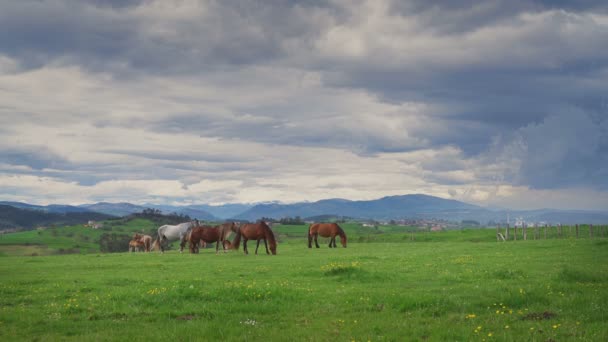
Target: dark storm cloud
(37, 158)
(109, 36)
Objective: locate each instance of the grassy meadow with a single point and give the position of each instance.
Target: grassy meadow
(444, 286)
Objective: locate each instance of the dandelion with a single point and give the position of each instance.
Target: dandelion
(490, 334)
(506, 327)
(469, 316)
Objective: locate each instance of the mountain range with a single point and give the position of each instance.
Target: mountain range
(393, 207)
(26, 217)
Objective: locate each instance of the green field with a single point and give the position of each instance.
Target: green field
(445, 286)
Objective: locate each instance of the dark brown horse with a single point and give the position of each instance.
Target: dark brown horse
(255, 231)
(329, 230)
(209, 234)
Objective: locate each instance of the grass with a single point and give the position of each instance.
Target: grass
(458, 285)
(70, 239)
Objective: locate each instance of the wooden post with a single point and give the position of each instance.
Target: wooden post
(560, 230)
(525, 231)
(545, 231)
(591, 231)
(577, 230)
(515, 232)
(507, 232)
(498, 232)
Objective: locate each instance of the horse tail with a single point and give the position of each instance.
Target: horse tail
(236, 243)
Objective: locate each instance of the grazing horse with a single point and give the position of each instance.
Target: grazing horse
(255, 231)
(145, 239)
(135, 246)
(329, 230)
(168, 233)
(208, 234)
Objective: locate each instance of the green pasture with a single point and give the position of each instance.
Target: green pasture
(447, 286)
(68, 239)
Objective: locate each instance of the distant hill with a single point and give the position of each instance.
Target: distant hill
(417, 206)
(385, 208)
(114, 209)
(193, 211)
(53, 208)
(19, 218)
(125, 209)
(224, 211)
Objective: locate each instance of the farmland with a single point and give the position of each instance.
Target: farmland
(456, 285)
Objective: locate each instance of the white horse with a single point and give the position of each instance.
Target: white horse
(171, 233)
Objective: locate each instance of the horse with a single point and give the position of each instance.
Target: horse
(208, 234)
(171, 233)
(255, 231)
(145, 239)
(329, 230)
(135, 246)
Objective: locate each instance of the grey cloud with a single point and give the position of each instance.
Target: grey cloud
(37, 158)
(565, 150)
(520, 89)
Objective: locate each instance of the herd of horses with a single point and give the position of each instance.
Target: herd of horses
(197, 235)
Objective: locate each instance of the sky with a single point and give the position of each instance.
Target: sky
(495, 103)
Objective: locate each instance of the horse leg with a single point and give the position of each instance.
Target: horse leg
(266, 245)
(245, 246)
(333, 240)
(316, 237)
(256, 247)
(217, 246)
(309, 240)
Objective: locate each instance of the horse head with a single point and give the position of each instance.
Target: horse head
(343, 239)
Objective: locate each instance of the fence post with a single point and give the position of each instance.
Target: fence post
(515, 232)
(497, 232)
(525, 228)
(577, 230)
(507, 232)
(545, 231)
(591, 231)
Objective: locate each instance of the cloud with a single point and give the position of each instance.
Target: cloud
(304, 100)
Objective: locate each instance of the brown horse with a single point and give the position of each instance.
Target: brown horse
(135, 246)
(329, 230)
(255, 231)
(145, 239)
(209, 234)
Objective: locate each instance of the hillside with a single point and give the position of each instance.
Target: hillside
(17, 218)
